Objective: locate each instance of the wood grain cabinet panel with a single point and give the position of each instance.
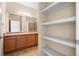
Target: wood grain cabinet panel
(9, 43)
(31, 40)
(36, 39)
(20, 42)
(26, 40)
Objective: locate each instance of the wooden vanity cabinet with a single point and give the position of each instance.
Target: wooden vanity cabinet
(16, 42)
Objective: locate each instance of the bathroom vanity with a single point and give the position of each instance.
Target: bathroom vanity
(17, 41)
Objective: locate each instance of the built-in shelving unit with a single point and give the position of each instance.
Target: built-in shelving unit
(50, 52)
(57, 35)
(77, 28)
(59, 21)
(54, 6)
(66, 42)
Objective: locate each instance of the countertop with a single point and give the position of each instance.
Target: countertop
(19, 33)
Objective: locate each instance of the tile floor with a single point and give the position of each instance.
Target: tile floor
(33, 51)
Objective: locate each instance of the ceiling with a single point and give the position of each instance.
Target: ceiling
(30, 4)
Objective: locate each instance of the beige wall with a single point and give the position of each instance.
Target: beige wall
(24, 24)
(6, 22)
(17, 9)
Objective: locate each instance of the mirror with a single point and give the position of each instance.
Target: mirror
(19, 23)
(32, 24)
(15, 26)
(14, 23)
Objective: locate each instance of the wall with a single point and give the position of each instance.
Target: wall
(24, 24)
(2, 27)
(17, 9)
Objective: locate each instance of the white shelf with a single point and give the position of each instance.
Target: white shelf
(51, 52)
(54, 6)
(64, 20)
(66, 42)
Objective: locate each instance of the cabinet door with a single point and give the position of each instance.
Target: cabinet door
(19, 42)
(26, 40)
(31, 40)
(9, 43)
(36, 39)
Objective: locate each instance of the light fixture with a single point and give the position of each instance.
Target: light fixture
(25, 14)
